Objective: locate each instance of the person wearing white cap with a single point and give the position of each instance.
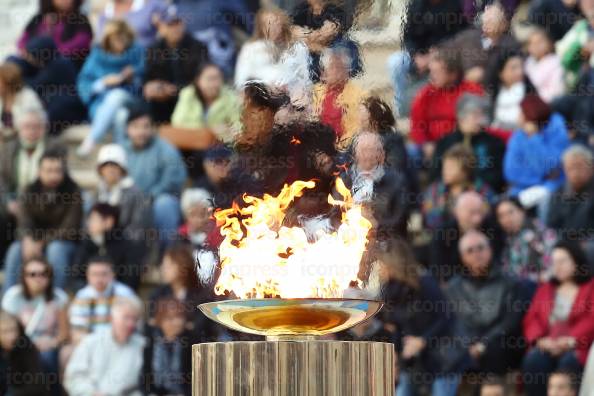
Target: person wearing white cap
(117, 189)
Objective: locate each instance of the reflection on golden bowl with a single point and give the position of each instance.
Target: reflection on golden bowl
(279, 317)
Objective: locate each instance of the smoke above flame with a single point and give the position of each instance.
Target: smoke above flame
(260, 257)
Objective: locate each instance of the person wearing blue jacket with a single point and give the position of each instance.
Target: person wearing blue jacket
(109, 80)
(157, 169)
(532, 162)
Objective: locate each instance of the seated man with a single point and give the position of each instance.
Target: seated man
(483, 299)
(109, 362)
(571, 208)
(49, 218)
(171, 63)
(157, 169)
(91, 308)
(21, 153)
(104, 237)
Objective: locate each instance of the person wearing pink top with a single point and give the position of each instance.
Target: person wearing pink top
(543, 66)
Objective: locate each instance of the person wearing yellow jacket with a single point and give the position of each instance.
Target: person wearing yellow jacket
(208, 104)
(336, 99)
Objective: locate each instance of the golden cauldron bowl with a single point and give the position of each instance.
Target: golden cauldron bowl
(291, 318)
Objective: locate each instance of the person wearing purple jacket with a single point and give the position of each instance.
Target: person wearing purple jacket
(64, 23)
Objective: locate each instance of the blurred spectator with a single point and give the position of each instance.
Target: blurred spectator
(532, 163)
(336, 99)
(63, 21)
(157, 169)
(508, 89)
(483, 299)
(493, 386)
(320, 25)
(421, 335)
(117, 188)
(554, 16)
(428, 23)
(208, 104)
(563, 383)
(577, 107)
(168, 352)
(527, 246)
(433, 111)
(50, 214)
(110, 77)
(14, 97)
(53, 77)
(212, 22)
(272, 56)
(571, 207)
(41, 309)
(376, 116)
(171, 64)
(19, 359)
(470, 212)
(471, 118)
(143, 17)
(380, 189)
(458, 175)
(109, 362)
(480, 48)
(575, 49)
(543, 66)
(103, 237)
(19, 163)
(217, 167)
(92, 307)
(559, 325)
(587, 385)
(180, 282)
(197, 208)
(473, 8)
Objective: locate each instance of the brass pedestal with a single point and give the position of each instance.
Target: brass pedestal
(293, 368)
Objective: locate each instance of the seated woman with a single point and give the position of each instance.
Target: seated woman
(208, 104)
(543, 66)
(528, 243)
(109, 79)
(168, 352)
(532, 161)
(457, 176)
(19, 359)
(41, 309)
(180, 282)
(272, 56)
(508, 90)
(559, 325)
(65, 24)
(142, 16)
(421, 335)
(14, 97)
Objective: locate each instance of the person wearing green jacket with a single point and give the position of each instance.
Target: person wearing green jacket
(208, 103)
(576, 48)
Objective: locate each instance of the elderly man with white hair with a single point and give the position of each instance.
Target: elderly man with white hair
(571, 207)
(109, 361)
(197, 207)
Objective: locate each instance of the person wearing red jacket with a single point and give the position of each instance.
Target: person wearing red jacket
(433, 111)
(559, 325)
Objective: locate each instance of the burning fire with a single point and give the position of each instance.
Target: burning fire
(260, 257)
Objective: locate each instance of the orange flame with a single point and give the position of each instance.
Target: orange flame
(295, 141)
(261, 258)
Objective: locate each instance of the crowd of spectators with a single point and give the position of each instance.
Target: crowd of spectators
(185, 116)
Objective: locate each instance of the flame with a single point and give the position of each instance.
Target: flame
(260, 257)
(295, 141)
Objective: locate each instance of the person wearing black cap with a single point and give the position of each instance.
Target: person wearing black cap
(171, 63)
(157, 169)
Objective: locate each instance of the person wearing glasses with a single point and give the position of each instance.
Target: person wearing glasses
(482, 298)
(41, 309)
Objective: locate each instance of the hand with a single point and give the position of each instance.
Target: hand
(113, 80)
(412, 346)
(45, 343)
(545, 344)
(474, 74)
(31, 248)
(13, 207)
(476, 350)
(565, 344)
(588, 49)
(127, 73)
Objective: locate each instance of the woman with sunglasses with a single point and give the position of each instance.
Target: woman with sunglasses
(41, 310)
